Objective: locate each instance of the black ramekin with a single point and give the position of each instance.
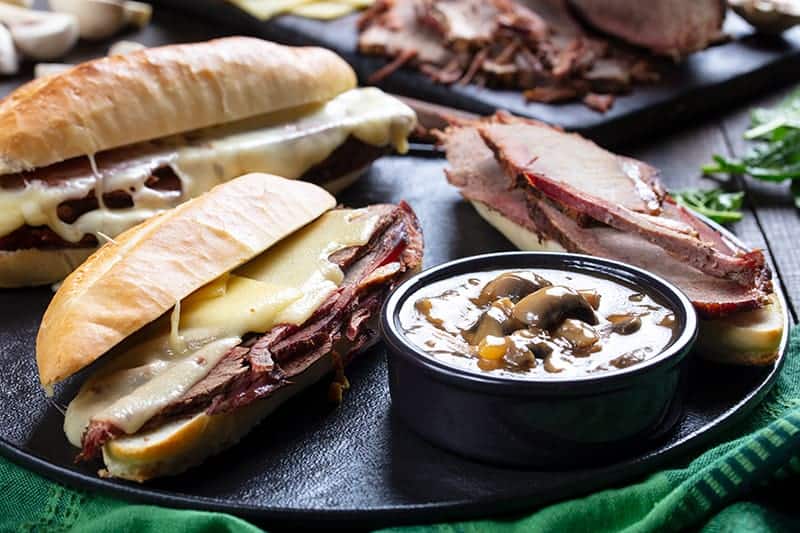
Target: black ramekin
(546, 423)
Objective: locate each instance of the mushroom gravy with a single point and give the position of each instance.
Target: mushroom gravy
(526, 324)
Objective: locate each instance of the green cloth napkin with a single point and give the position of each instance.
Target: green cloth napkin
(731, 486)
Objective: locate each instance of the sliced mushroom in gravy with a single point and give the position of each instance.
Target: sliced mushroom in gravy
(537, 324)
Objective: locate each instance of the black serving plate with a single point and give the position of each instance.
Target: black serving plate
(713, 79)
(312, 464)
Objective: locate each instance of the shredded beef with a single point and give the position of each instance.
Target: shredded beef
(96, 435)
(537, 46)
(599, 102)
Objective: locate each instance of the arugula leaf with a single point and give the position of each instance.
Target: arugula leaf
(768, 122)
(796, 193)
(716, 204)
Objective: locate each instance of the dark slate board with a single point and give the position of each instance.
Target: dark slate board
(709, 80)
(356, 465)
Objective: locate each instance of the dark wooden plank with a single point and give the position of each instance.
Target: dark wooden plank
(775, 213)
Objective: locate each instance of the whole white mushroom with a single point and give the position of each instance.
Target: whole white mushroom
(40, 35)
(9, 61)
(100, 19)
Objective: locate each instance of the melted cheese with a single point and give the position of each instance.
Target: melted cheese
(286, 143)
(247, 305)
(157, 365)
(177, 342)
(303, 260)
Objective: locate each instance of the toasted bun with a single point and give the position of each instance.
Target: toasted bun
(28, 268)
(520, 237)
(173, 448)
(129, 98)
(133, 280)
(745, 338)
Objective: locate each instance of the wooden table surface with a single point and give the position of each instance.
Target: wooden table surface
(770, 220)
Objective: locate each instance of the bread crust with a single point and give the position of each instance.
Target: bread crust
(136, 278)
(129, 98)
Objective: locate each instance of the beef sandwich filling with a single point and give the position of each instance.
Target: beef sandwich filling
(546, 188)
(263, 362)
(77, 203)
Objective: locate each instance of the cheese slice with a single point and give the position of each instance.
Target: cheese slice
(247, 305)
(283, 285)
(285, 143)
(323, 10)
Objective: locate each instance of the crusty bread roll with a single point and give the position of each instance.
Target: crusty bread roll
(165, 259)
(744, 338)
(747, 338)
(156, 92)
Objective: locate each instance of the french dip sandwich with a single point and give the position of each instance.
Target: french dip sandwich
(209, 316)
(548, 190)
(90, 152)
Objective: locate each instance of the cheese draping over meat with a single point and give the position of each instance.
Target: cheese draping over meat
(286, 143)
(284, 285)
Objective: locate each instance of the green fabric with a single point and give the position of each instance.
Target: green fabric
(747, 482)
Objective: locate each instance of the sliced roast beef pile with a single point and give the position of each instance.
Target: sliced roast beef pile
(565, 189)
(148, 160)
(538, 46)
(343, 325)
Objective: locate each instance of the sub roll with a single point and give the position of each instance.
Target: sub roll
(209, 316)
(90, 152)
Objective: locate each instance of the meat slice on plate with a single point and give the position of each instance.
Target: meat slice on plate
(590, 183)
(533, 219)
(670, 27)
(570, 160)
(711, 296)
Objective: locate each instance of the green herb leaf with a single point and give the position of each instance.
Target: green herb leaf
(775, 154)
(765, 122)
(716, 204)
